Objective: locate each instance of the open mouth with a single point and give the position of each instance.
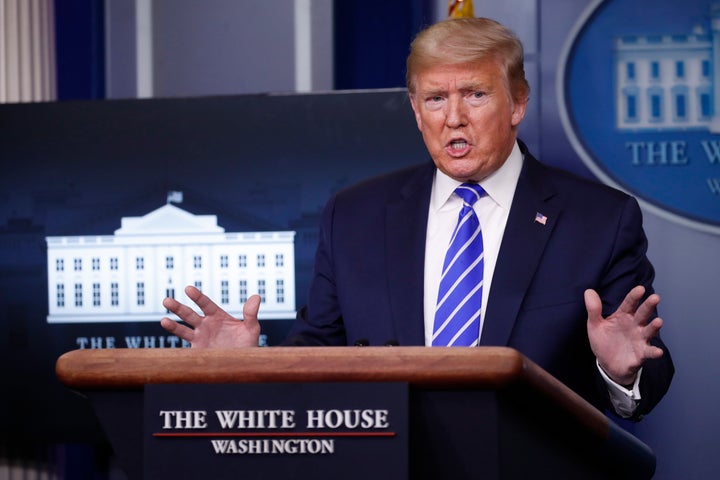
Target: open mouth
(458, 145)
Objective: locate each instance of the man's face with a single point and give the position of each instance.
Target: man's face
(467, 118)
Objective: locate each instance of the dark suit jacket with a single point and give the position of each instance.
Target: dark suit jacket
(369, 271)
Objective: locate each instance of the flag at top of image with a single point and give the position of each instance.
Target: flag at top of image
(460, 9)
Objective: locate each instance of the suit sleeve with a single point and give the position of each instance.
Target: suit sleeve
(629, 266)
(320, 322)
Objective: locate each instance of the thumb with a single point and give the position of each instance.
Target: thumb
(593, 304)
(251, 308)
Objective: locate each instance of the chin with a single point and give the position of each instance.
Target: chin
(463, 174)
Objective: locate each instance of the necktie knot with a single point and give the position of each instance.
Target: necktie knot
(470, 192)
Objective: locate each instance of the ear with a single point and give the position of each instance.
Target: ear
(519, 109)
(416, 110)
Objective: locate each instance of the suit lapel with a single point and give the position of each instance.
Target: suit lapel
(405, 232)
(522, 247)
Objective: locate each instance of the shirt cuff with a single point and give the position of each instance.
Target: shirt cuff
(623, 400)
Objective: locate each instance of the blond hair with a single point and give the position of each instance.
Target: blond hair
(469, 40)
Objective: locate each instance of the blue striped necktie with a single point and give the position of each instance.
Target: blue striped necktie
(457, 315)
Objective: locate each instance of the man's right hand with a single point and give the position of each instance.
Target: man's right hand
(217, 328)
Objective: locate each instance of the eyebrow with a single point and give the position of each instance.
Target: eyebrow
(465, 88)
(431, 92)
(475, 86)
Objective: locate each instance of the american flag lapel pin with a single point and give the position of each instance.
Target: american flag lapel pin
(540, 218)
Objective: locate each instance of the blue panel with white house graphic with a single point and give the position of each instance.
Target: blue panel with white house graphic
(640, 105)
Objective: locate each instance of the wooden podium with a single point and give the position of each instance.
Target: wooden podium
(473, 412)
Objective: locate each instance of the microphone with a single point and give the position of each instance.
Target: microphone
(362, 342)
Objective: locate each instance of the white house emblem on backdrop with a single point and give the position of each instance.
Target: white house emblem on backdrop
(638, 101)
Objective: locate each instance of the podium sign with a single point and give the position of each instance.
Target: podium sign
(460, 413)
(281, 430)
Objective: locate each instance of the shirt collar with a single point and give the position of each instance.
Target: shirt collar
(499, 185)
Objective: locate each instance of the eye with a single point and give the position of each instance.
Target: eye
(478, 94)
(434, 102)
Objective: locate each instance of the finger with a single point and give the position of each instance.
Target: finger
(631, 300)
(186, 313)
(652, 352)
(177, 329)
(652, 329)
(207, 306)
(647, 308)
(251, 309)
(593, 304)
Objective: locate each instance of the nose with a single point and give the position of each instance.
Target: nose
(455, 116)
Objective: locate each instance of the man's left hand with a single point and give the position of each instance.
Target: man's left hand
(621, 341)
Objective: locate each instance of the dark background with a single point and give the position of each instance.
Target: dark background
(258, 162)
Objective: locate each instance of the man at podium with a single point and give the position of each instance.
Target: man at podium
(482, 246)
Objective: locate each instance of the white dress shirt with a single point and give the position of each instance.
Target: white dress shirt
(492, 210)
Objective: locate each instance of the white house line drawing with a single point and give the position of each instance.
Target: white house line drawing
(124, 277)
(668, 82)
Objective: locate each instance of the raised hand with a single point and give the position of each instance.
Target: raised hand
(621, 341)
(217, 328)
